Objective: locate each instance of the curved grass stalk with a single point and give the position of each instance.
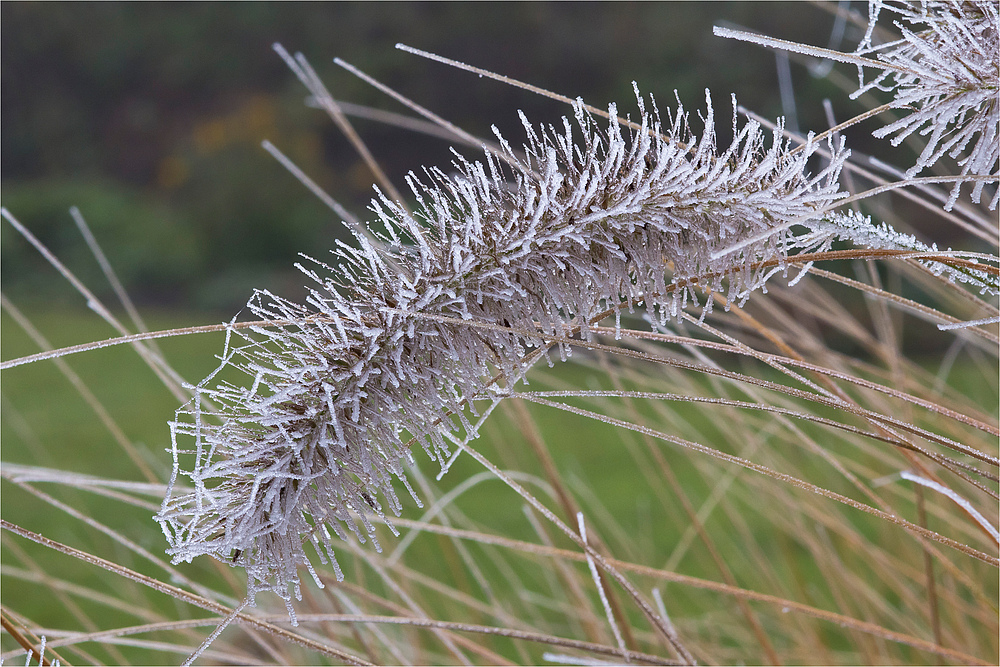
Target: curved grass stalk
(537, 637)
(861, 412)
(867, 384)
(130, 545)
(26, 643)
(102, 414)
(685, 398)
(305, 73)
(913, 528)
(178, 593)
(155, 362)
(695, 582)
(867, 194)
(648, 611)
(909, 304)
(977, 224)
(895, 411)
(939, 256)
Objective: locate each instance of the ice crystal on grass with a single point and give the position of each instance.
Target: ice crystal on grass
(860, 230)
(944, 72)
(399, 339)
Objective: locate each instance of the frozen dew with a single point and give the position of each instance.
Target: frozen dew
(944, 74)
(399, 341)
(859, 229)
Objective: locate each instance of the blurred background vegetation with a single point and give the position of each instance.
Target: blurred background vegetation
(149, 118)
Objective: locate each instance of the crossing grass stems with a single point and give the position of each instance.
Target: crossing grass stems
(807, 490)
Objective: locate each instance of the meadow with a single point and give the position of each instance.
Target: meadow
(802, 474)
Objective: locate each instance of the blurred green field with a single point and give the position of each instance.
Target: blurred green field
(161, 153)
(46, 423)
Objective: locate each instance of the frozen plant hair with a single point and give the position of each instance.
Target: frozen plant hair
(499, 262)
(945, 72)
(945, 75)
(862, 232)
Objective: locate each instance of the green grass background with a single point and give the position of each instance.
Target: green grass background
(46, 423)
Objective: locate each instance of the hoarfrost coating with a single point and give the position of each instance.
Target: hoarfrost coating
(593, 219)
(944, 74)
